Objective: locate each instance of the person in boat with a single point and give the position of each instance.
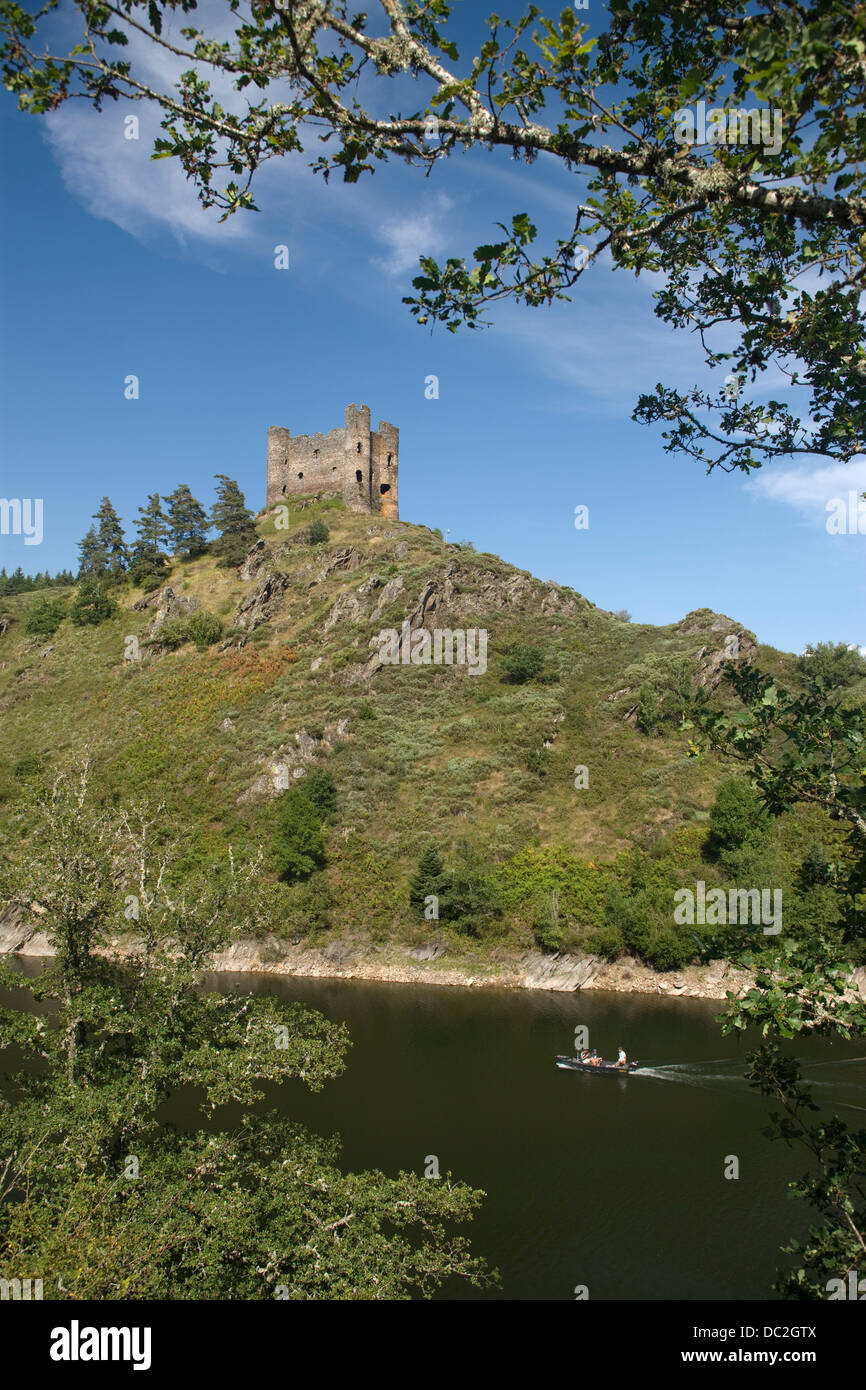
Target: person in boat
(595, 1060)
(622, 1060)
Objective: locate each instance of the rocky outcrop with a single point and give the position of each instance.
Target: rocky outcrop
(263, 603)
(347, 609)
(254, 561)
(426, 606)
(739, 646)
(348, 559)
(20, 933)
(288, 764)
(167, 604)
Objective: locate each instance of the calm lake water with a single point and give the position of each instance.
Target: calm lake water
(616, 1183)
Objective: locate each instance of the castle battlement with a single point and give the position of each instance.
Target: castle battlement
(354, 462)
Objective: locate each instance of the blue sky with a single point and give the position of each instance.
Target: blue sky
(111, 268)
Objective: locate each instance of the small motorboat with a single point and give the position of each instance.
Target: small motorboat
(575, 1064)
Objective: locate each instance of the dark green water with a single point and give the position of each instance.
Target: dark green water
(612, 1182)
(616, 1183)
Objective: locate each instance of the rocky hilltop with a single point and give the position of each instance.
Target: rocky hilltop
(546, 778)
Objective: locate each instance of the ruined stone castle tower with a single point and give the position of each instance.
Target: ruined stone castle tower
(354, 462)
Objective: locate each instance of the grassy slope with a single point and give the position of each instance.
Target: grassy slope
(432, 754)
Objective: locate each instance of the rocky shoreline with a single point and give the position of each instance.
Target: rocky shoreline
(397, 964)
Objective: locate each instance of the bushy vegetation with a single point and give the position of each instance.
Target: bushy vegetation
(529, 854)
(201, 628)
(93, 603)
(522, 663)
(297, 843)
(45, 617)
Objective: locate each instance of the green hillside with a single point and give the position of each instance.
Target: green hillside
(481, 767)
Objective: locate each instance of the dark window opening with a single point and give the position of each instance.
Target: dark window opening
(359, 475)
(315, 453)
(284, 488)
(384, 487)
(359, 446)
(300, 475)
(390, 456)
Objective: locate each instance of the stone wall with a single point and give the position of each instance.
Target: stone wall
(354, 462)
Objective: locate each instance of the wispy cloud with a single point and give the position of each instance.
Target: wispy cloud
(415, 234)
(809, 490)
(115, 178)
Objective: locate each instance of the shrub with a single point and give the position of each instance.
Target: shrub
(648, 710)
(549, 936)
(668, 951)
(537, 762)
(204, 628)
(467, 900)
(45, 617)
(521, 663)
(318, 533)
(606, 942)
(297, 909)
(28, 766)
(366, 711)
(736, 818)
(172, 634)
(320, 788)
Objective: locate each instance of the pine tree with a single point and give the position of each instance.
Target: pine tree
(111, 538)
(230, 517)
(430, 879)
(152, 527)
(187, 522)
(92, 603)
(93, 559)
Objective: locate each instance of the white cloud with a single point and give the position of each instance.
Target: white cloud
(809, 490)
(116, 179)
(416, 234)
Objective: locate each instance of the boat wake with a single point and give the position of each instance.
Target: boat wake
(703, 1075)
